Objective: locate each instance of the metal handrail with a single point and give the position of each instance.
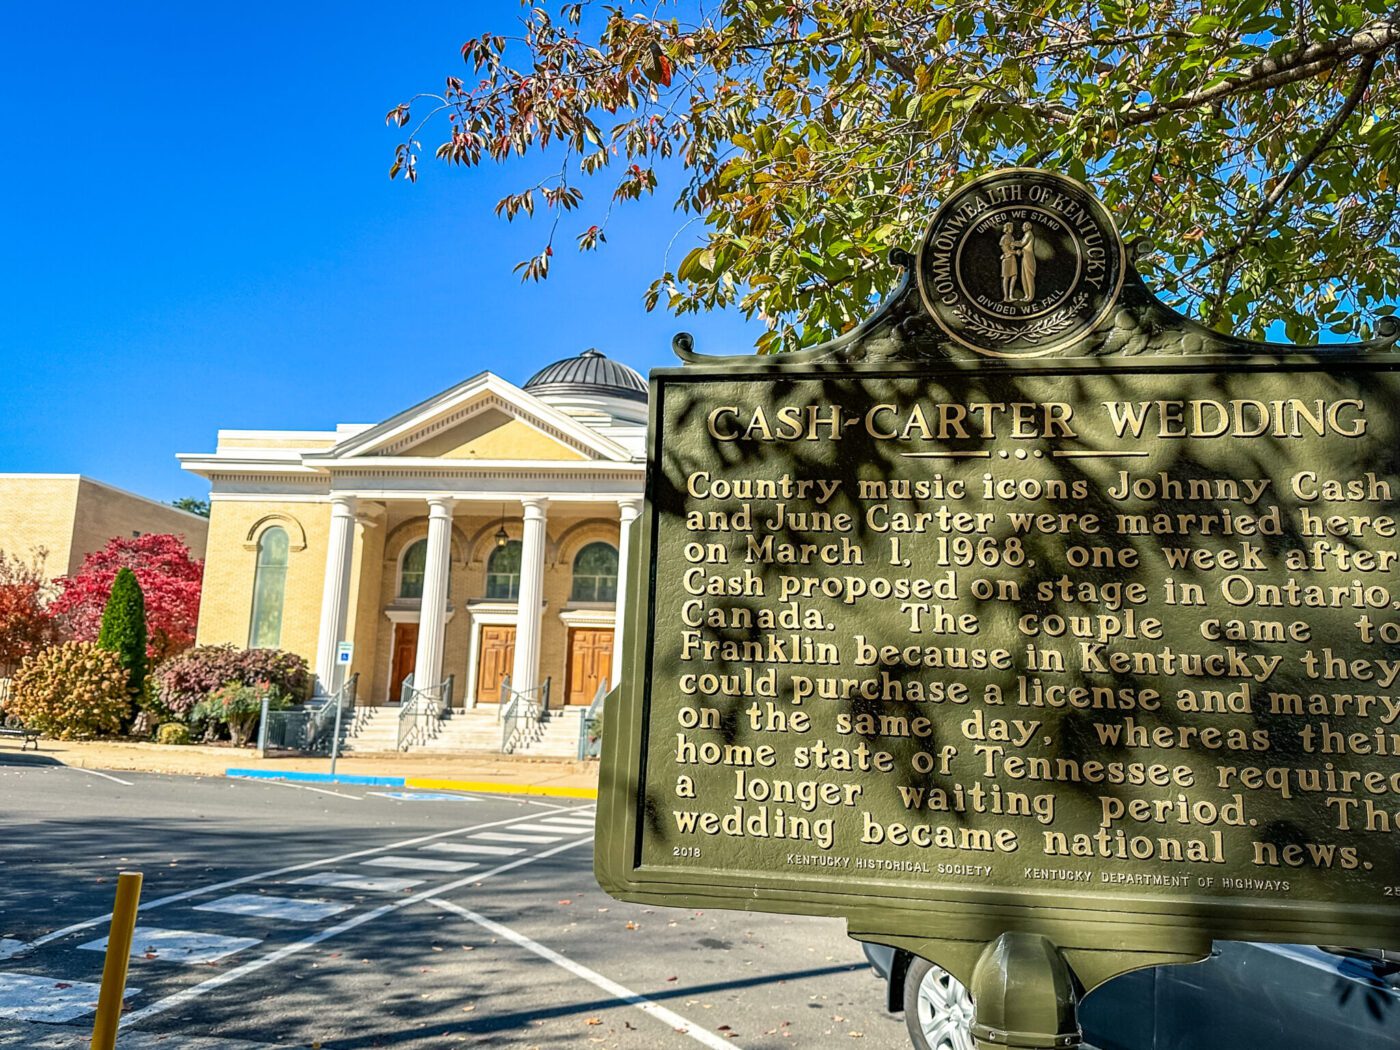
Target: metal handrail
(421, 712)
(324, 720)
(521, 723)
(587, 747)
(308, 729)
(539, 695)
(522, 714)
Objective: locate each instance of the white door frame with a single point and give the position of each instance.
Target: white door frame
(484, 614)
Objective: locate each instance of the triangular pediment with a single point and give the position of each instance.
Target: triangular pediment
(483, 418)
(492, 433)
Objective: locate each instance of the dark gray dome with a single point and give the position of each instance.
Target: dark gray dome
(589, 373)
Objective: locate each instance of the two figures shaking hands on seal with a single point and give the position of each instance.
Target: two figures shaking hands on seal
(1017, 263)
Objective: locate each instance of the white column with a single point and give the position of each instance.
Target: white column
(627, 510)
(335, 594)
(432, 614)
(525, 672)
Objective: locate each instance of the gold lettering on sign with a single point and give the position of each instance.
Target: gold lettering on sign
(1141, 634)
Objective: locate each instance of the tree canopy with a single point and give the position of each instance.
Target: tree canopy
(123, 629)
(169, 581)
(1254, 144)
(26, 625)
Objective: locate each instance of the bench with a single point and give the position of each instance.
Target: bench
(25, 736)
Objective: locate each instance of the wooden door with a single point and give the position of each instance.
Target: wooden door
(497, 649)
(405, 653)
(590, 662)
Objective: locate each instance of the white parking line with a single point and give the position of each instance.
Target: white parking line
(11, 948)
(626, 995)
(505, 836)
(99, 773)
(299, 787)
(196, 991)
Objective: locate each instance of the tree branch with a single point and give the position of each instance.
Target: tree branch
(1275, 72)
(1267, 205)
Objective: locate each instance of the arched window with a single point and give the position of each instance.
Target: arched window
(415, 561)
(269, 587)
(503, 572)
(595, 574)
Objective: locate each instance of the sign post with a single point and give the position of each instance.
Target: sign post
(1031, 627)
(344, 653)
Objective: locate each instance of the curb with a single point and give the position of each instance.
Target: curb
(492, 788)
(314, 778)
(480, 787)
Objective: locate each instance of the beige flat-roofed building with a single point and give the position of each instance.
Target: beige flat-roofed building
(477, 535)
(71, 516)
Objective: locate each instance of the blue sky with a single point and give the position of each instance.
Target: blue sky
(198, 231)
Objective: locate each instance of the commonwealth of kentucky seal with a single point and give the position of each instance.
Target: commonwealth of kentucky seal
(1020, 263)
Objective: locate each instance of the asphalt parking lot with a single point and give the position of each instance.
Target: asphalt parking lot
(348, 917)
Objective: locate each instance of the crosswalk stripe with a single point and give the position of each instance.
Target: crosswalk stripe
(420, 863)
(187, 995)
(506, 836)
(284, 909)
(178, 946)
(29, 997)
(473, 848)
(546, 829)
(346, 881)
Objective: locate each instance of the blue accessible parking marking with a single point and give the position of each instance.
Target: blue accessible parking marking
(424, 796)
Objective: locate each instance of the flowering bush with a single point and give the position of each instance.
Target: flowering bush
(170, 582)
(185, 680)
(238, 707)
(71, 691)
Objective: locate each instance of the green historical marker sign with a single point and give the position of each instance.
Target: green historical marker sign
(1030, 610)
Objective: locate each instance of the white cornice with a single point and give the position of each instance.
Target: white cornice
(456, 404)
(428, 466)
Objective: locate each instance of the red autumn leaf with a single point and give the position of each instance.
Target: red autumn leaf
(170, 583)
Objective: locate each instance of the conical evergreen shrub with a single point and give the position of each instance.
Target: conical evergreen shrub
(124, 628)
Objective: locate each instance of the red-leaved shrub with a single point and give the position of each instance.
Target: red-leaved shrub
(185, 680)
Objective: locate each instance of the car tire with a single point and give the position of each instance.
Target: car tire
(937, 1008)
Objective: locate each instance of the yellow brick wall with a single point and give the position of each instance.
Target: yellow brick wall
(565, 543)
(468, 575)
(71, 517)
(466, 582)
(227, 602)
(367, 620)
(105, 512)
(38, 512)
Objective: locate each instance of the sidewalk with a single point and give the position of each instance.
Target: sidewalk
(484, 768)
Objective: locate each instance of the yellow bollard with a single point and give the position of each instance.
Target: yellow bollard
(109, 1000)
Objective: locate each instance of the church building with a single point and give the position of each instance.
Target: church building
(479, 534)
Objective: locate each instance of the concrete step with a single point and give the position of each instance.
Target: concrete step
(476, 729)
(558, 737)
